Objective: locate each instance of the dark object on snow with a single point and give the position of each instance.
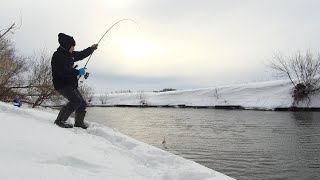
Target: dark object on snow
(79, 120)
(62, 118)
(17, 102)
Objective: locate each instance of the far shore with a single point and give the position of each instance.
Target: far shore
(229, 107)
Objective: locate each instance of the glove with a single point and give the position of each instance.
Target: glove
(82, 71)
(94, 47)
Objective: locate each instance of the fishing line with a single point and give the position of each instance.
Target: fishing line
(104, 36)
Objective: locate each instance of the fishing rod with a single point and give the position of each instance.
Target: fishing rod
(87, 74)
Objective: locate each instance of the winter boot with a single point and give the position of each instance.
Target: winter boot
(62, 118)
(79, 120)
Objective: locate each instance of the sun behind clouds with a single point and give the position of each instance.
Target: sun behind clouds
(117, 3)
(139, 49)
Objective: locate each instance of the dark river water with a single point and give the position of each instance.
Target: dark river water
(248, 145)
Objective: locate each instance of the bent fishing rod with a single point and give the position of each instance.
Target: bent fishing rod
(87, 74)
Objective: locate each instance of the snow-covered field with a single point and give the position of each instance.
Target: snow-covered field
(261, 95)
(32, 147)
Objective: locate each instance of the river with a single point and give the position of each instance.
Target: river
(246, 145)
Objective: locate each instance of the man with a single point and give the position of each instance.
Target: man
(65, 80)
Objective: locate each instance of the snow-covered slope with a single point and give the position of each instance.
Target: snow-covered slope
(32, 147)
(262, 95)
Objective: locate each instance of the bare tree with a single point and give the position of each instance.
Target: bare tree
(12, 66)
(12, 70)
(142, 98)
(303, 70)
(87, 92)
(40, 80)
(216, 94)
(30, 81)
(56, 99)
(10, 29)
(103, 97)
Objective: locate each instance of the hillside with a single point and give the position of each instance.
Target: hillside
(261, 95)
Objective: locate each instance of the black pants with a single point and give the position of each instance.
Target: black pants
(76, 101)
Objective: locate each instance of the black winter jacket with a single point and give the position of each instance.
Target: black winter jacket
(62, 65)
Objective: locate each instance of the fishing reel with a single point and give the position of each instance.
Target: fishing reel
(86, 75)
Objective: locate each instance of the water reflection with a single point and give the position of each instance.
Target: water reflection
(305, 118)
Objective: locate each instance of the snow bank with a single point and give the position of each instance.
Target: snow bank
(32, 147)
(261, 95)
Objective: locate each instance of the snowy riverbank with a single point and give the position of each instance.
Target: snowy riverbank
(32, 147)
(262, 95)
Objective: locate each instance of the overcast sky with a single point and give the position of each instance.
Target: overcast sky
(180, 44)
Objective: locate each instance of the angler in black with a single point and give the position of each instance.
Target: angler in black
(65, 80)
